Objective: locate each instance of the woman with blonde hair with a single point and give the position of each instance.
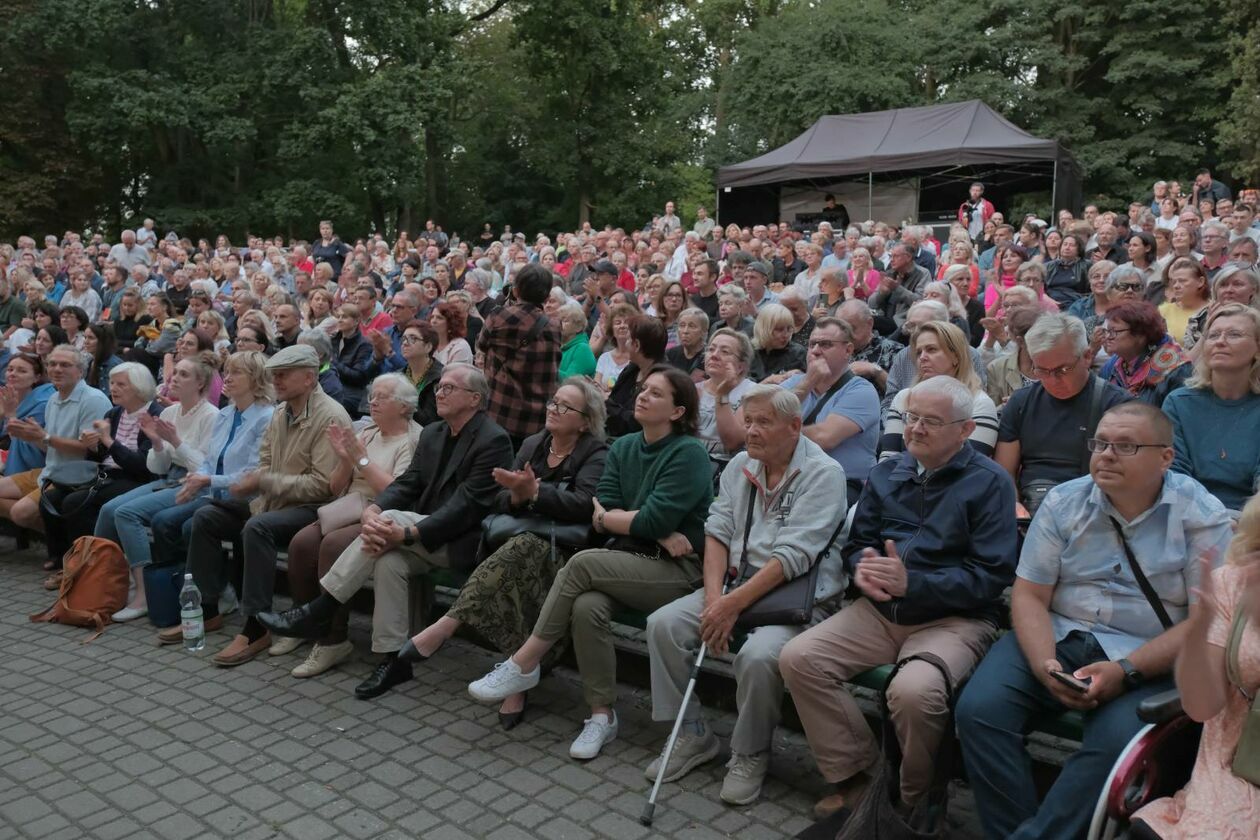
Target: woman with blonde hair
(941, 349)
(1218, 675)
(777, 353)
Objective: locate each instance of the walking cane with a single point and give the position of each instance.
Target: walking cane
(650, 808)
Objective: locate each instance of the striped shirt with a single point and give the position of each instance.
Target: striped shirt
(983, 438)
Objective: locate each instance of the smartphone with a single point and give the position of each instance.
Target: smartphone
(1080, 686)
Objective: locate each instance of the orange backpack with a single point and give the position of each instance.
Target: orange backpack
(94, 585)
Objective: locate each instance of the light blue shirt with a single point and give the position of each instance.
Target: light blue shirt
(242, 454)
(69, 417)
(858, 402)
(832, 261)
(1072, 546)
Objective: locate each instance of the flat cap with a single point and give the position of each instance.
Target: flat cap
(297, 356)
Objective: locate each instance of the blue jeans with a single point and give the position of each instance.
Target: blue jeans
(992, 717)
(125, 518)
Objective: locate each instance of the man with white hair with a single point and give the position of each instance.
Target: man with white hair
(128, 253)
(931, 588)
(1214, 243)
(1044, 427)
(912, 237)
(146, 236)
(779, 507)
(678, 262)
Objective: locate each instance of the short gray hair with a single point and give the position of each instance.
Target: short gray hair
(477, 382)
(1035, 268)
(140, 377)
(1218, 227)
(404, 391)
(961, 399)
(1121, 273)
(573, 310)
(319, 341)
(593, 399)
(698, 314)
(731, 290)
(784, 403)
(938, 309)
(1230, 269)
(1054, 327)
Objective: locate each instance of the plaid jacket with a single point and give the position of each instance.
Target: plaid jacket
(522, 372)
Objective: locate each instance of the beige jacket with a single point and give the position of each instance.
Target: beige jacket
(296, 459)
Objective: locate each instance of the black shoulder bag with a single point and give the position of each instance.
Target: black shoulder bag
(831, 392)
(789, 604)
(1152, 597)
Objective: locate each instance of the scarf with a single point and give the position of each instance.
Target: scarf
(1149, 369)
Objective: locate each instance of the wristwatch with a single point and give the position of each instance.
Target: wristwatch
(362, 463)
(47, 439)
(1133, 678)
(409, 536)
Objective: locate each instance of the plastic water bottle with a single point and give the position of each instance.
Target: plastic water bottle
(190, 615)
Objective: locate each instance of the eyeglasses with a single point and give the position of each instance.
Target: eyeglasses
(410, 339)
(933, 423)
(447, 387)
(1127, 287)
(1110, 333)
(824, 343)
(1054, 373)
(1120, 447)
(562, 409)
(1230, 336)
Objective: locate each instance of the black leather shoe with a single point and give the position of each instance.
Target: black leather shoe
(388, 674)
(410, 653)
(309, 621)
(510, 720)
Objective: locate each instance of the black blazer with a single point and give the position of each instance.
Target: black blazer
(133, 462)
(580, 471)
(457, 500)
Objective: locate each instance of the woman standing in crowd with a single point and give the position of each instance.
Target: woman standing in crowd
(73, 322)
(647, 350)
(422, 370)
(351, 358)
(1215, 416)
(328, 248)
(1218, 674)
(1189, 292)
(669, 304)
(179, 436)
(1143, 359)
(612, 362)
(1235, 283)
(688, 356)
(576, 358)
(726, 363)
(652, 501)
(772, 336)
(120, 446)
(1009, 372)
(23, 398)
(554, 477)
(450, 328)
(368, 462)
(941, 349)
(98, 342)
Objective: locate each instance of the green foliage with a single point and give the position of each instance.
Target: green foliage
(227, 115)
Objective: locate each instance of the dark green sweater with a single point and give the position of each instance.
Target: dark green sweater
(669, 483)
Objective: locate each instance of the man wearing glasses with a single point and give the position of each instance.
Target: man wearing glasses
(840, 409)
(1041, 440)
(931, 549)
(429, 517)
(1099, 607)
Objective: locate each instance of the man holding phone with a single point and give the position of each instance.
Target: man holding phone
(1099, 606)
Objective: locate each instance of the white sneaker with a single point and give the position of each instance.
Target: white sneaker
(283, 645)
(744, 776)
(505, 680)
(597, 730)
(322, 658)
(692, 749)
(228, 602)
(130, 613)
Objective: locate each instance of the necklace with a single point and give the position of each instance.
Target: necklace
(559, 456)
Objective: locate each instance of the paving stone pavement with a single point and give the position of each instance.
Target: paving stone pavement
(120, 738)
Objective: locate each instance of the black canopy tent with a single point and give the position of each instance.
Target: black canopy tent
(930, 152)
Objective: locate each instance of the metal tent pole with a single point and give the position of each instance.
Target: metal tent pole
(870, 195)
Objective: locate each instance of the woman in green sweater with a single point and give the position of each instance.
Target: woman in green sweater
(652, 502)
(576, 357)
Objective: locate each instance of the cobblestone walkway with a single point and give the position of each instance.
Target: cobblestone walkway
(122, 739)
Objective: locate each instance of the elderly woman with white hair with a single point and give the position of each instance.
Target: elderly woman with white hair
(945, 293)
(576, 356)
(368, 462)
(119, 444)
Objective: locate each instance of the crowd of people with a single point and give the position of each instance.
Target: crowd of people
(681, 422)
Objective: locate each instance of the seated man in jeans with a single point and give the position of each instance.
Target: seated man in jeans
(932, 548)
(797, 494)
(1078, 608)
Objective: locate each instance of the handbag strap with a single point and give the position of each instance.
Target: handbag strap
(831, 392)
(748, 518)
(1233, 666)
(1145, 585)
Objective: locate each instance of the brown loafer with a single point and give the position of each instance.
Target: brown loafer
(240, 651)
(175, 635)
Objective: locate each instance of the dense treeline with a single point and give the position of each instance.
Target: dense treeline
(223, 115)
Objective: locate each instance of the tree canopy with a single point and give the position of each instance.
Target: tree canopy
(268, 115)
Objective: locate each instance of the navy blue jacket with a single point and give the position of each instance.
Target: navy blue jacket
(954, 531)
(352, 359)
